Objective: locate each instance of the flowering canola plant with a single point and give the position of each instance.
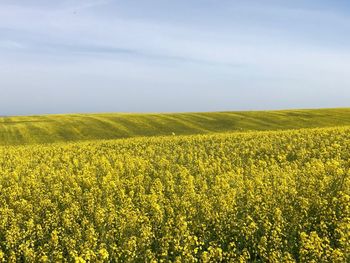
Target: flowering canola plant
(281, 196)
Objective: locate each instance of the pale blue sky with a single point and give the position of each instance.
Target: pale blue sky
(162, 55)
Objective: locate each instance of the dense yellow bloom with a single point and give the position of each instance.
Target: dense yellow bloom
(244, 197)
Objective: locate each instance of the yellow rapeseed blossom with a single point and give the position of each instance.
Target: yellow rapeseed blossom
(281, 196)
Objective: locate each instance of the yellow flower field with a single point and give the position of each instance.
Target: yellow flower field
(235, 197)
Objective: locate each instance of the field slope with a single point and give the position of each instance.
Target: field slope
(77, 127)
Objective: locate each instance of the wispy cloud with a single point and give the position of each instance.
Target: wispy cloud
(81, 5)
(8, 44)
(86, 33)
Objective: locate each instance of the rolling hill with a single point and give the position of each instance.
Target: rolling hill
(76, 127)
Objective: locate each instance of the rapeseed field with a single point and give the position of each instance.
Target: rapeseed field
(274, 196)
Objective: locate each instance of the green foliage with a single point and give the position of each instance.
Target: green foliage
(245, 197)
(77, 127)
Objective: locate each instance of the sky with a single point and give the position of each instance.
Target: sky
(172, 56)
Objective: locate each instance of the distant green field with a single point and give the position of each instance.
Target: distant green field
(76, 127)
